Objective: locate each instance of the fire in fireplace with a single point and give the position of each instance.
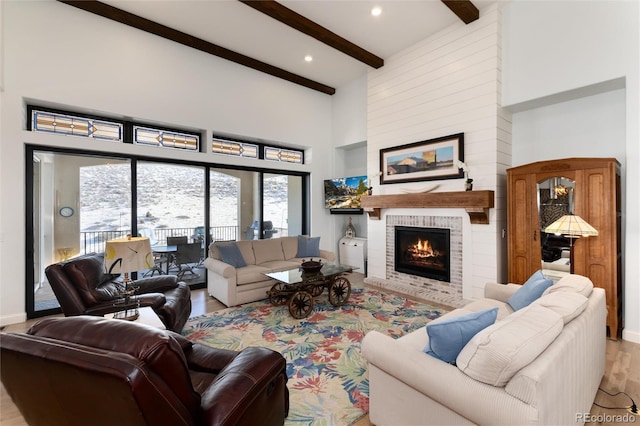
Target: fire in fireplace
(423, 252)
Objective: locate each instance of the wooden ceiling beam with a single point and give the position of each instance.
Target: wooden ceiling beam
(464, 9)
(293, 19)
(185, 39)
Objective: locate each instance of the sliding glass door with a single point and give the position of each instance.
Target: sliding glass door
(170, 206)
(77, 201)
(228, 203)
(282, 201)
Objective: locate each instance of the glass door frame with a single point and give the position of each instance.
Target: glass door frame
(29, 253)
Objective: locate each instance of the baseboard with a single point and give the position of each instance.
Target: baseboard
(631, 336)
(6, 320)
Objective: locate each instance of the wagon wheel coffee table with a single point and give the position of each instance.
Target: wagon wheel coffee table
(298, 288)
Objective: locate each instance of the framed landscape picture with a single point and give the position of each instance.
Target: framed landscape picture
(432, 159)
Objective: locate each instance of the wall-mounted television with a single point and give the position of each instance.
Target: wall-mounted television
(342, 195)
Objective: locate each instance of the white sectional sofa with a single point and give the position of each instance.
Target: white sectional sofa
(237, 285)
(493, 383)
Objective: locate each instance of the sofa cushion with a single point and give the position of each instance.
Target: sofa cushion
(266, 250)
(572, 283)
(231, 254)
(289, 247)
(308, 246)
(497, 353)
(564, 303)
(530, 291)
(251, 274)
(280, 265)
(448, 336)
(486, 303)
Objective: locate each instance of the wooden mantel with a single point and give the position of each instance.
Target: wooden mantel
(476, 203)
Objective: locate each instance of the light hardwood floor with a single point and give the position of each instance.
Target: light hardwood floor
(622, 373)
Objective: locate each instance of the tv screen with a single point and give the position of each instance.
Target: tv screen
(344, 193)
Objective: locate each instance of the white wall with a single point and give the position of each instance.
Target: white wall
(446, 84)
(349, 123)
(349, 115)
(574, 81)
(55, 54)
(593, 126)
(554, 46)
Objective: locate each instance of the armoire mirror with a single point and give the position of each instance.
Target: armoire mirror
(555, 199)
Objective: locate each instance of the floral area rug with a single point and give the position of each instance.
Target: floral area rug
(328, 380)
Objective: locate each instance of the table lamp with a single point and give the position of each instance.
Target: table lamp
(125, 255)
(571, 226)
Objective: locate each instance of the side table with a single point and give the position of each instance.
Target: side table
(147, 316)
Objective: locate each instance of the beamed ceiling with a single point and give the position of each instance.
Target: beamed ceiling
(342, 36)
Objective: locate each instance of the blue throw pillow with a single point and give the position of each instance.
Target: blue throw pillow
(230, 254)
(448, 336)
(530, 291)
(308, 247)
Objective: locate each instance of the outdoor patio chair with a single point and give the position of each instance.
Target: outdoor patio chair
(158, 259)
(268, 230)
(174, 241)
(198, 234)
(187, 257)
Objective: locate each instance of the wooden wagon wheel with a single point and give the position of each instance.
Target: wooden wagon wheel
(277, 295)
(317, 290)
(300, 304)
(339, 291)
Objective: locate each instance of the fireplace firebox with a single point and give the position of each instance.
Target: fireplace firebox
(423, 252)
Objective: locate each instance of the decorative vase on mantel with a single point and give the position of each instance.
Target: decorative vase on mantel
(468, 185)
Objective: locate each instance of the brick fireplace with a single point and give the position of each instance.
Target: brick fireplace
(422, 251)
(435, 287)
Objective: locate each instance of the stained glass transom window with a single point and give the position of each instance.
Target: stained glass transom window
(65, 124)
(239, 149)
(285, 155)
(166, 139)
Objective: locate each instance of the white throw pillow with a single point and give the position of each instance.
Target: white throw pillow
(497, 353)
(573, 283)
(564, 303)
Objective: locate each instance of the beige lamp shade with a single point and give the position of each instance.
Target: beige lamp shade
(126, 255)
(571, 225)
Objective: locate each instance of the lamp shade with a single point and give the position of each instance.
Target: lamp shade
(571, 225)
(126, 255)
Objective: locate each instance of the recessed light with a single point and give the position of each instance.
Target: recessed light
(308, 58)
(376, 11)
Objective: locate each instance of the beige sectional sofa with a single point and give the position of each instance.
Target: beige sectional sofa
(237, 285)
(540, 365)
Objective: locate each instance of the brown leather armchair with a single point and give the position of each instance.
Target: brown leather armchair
(91, 370)
(82, 288)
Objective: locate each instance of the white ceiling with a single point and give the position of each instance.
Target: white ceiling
(238, 27)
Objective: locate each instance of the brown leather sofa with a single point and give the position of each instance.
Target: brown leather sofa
(90, 370)
(82, 288)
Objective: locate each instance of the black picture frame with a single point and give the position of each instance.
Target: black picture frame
(433, 159)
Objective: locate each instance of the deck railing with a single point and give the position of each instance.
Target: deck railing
(94, 241)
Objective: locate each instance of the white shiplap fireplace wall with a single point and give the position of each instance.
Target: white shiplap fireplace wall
(446, 84)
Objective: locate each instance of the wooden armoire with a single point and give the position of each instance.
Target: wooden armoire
(595, 198)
